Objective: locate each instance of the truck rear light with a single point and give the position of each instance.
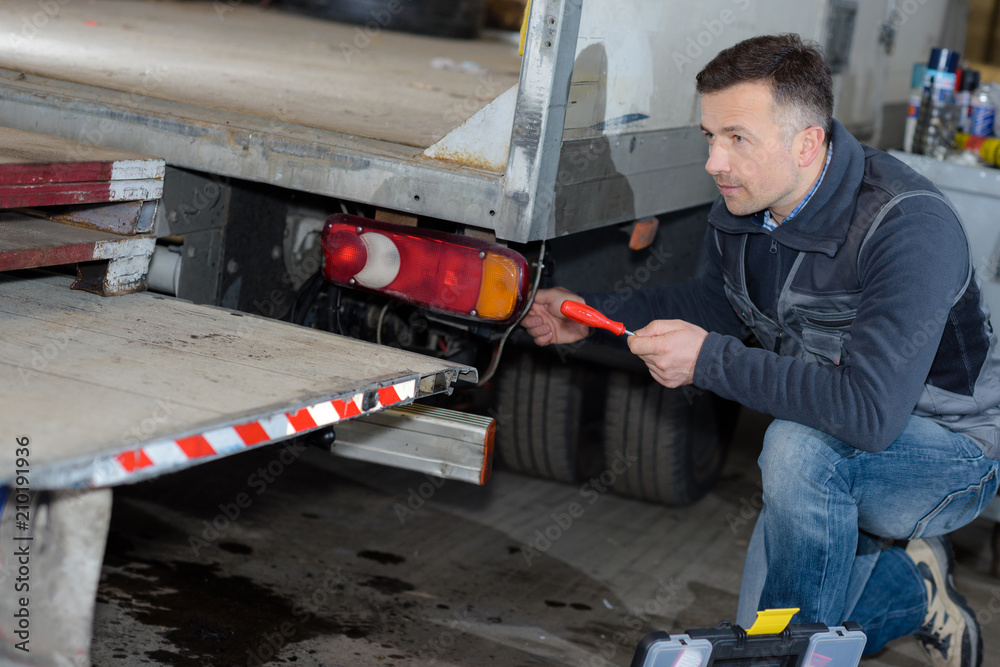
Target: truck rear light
(348, 255)
(382, 260)
(443, 272)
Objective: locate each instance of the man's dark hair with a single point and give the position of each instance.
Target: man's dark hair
(800, 77)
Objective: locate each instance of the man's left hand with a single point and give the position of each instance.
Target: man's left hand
(670, 350)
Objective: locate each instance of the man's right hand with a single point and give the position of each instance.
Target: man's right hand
(547, 325)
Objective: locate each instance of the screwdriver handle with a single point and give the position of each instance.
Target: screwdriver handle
(584, 314)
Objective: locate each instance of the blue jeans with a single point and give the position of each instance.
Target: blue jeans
(828, 510)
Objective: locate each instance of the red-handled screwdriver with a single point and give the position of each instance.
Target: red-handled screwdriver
(591, 317)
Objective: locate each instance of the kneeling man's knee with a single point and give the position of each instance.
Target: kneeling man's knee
(794, 453)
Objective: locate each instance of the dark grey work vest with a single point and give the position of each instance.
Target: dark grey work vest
(819, 300)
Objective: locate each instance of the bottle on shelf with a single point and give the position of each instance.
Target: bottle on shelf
(968, 81)
(916, 92)
(983, 111)
(937, 118)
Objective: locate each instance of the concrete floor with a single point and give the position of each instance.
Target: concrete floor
(330, 562)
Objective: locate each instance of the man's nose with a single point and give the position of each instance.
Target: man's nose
(718, 160)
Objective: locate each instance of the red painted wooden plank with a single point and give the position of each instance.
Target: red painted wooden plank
(25, 173)
(27, 243)
(53, 194)
(32, 258)
(29, 158)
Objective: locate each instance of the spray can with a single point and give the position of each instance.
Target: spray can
(937, 117)
(941, 75)
(967, 84)
(983, 112)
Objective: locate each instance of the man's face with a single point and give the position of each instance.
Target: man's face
(747, 152)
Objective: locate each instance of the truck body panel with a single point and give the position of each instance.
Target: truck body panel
(602, 126)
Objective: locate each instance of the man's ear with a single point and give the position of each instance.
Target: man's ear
(812, 145)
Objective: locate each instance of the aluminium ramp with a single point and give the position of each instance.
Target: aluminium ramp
(116, 390)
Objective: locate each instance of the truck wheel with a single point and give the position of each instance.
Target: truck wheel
(671, 442)
(539, 412)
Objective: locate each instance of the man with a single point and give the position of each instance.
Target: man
(873, 351)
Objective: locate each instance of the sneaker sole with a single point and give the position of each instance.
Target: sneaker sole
(942, 552)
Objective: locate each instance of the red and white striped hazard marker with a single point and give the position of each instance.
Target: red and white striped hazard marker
(163, 456)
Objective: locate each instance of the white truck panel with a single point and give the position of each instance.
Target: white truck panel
(636, 61)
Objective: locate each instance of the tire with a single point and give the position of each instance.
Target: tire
(539, 412)
(673, 447)
(442, 18)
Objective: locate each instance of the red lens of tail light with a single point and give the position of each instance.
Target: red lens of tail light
(443, 272)
(348, 256)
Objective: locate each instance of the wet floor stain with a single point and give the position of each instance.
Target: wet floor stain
(388, 585)
(236, 548)
(579, 606)
(382, 557)
(209, 616)
(231, 608)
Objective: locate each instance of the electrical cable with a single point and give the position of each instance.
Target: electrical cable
(305, 298)
(381, 321)
(488, 375)
(340, 327)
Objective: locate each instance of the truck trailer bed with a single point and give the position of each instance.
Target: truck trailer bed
(266, 63)
(114, 390)
(104, 391)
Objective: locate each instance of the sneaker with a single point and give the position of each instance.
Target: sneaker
(950, 633)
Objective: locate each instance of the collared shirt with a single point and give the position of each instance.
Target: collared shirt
(770, 225)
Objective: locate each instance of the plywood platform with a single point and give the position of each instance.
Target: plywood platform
(265, 63)
(92, 380)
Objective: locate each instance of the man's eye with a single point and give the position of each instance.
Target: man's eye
(738, 139)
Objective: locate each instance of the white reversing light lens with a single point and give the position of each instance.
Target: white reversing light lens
(382, 266)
